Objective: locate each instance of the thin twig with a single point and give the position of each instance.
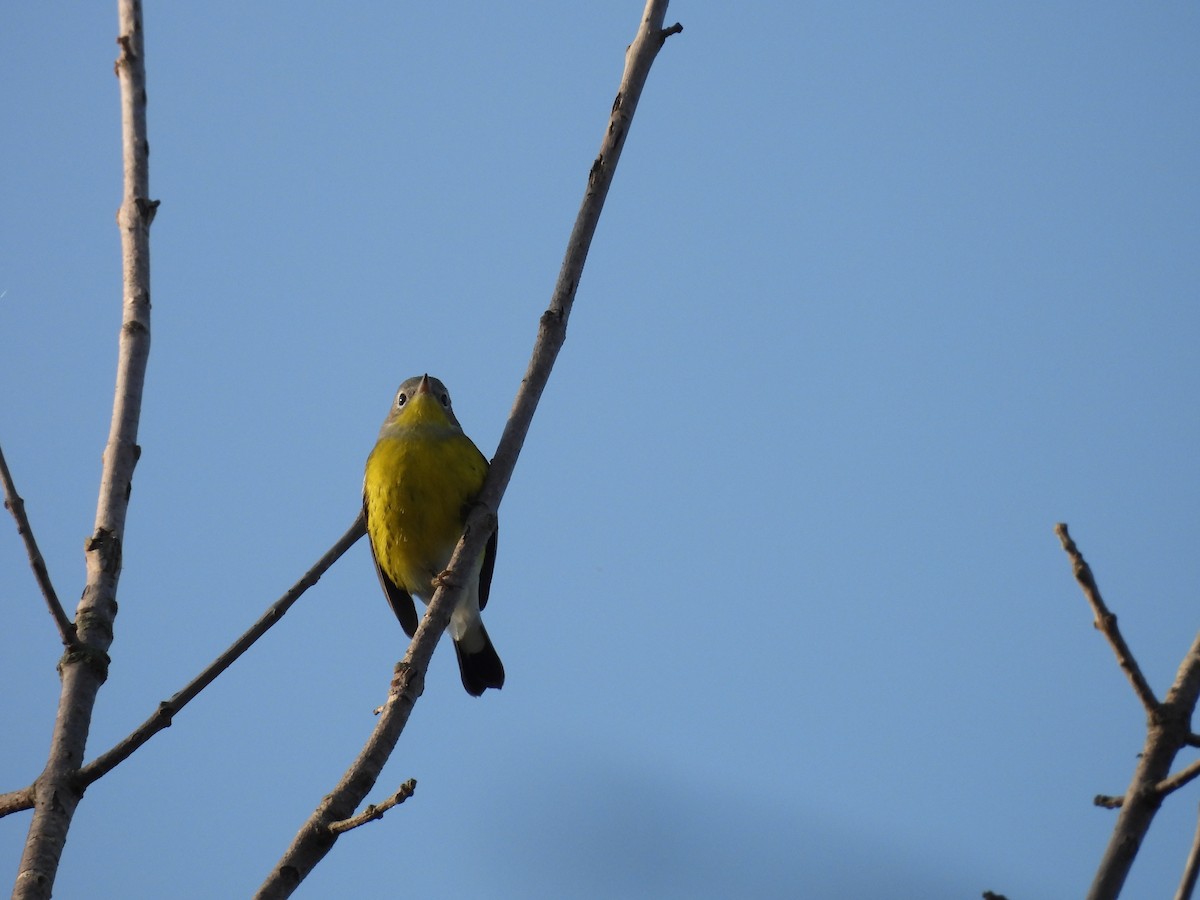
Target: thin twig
(16, 506)
(1179, 779)
(1108, 801)
(1106, 621)
(315, 838)
(162, 717)
(1187, 884)
(84, 667)
(375, 811)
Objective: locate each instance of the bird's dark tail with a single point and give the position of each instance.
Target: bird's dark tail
(480, 666)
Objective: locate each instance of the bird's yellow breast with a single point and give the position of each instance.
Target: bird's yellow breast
(419, 482)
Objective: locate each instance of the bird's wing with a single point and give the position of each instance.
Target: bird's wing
(399, 599)
(489, 563)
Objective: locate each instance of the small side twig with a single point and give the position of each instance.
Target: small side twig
(1179, 779)
(376, 810)
(1106, 621)
(162, 716)
(15, 801)
(15, 505)
(1108, 801)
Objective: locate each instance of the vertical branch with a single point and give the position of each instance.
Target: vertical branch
(84, 668)
(317, 835)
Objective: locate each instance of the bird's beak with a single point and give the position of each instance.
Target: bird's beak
(423, 387)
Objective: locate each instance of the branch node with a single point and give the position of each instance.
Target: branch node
(1184, 776)
(408, 680)
(147, 209)
(81, 654)
(126, 55)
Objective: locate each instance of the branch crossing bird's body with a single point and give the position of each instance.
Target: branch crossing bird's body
(420, 480)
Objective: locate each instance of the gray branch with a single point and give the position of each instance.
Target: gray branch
(162, 717)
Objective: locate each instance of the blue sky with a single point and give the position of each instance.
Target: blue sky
(882, 292)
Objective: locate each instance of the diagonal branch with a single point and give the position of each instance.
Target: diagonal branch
(316, 836)
(16, 506)
(1106, 621)
(161, 718)
(1184, 776)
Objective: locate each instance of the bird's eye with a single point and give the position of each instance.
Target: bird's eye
(446, 400)
(401, 399)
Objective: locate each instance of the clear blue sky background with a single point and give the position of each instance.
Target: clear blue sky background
(882, 292)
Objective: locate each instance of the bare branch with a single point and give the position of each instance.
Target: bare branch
(1108, 801)
(161, 718)
(15, 801)
(1168, 728)
(1105, 621)
(85, 666)
(15, 505)
(316, 837)
(1179, 779)
(1187, 884)
(375, 812)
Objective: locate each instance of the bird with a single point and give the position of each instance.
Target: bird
(421, 478)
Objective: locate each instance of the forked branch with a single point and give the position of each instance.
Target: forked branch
(1168, 730)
